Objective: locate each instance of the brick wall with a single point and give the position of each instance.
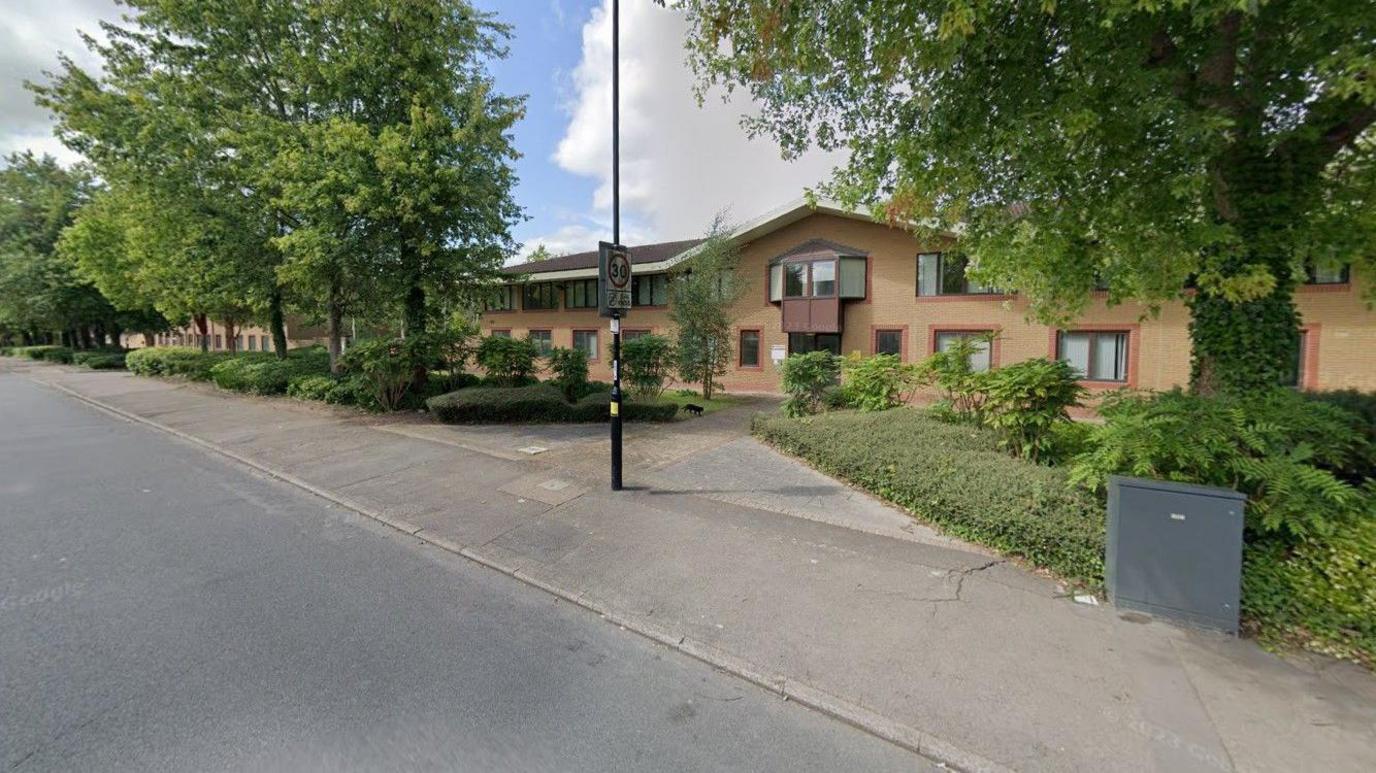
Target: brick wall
(1341, 329)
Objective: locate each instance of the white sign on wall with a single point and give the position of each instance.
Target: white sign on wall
(777, 352)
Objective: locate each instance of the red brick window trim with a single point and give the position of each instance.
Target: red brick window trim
(594, 351)
(1134, 353)
(995, 347)
(901, 330)
(758, 335)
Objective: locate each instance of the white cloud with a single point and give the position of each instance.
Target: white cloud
(32, 34)
(680, 163)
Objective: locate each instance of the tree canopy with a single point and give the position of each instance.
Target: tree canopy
(1133, 144)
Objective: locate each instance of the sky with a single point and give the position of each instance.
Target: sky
(681, 163)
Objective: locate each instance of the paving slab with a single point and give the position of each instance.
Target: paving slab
(792, 580)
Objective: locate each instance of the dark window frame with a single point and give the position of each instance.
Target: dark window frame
(509, 291)
(589, 288)
(656, 282)
(530, 335)
(536, 294)
(898, 331)
(595, 354)
(941, 269)
(1093, 353)
(809, 283)
(814, 336)
(758, 348)
(1311, 276)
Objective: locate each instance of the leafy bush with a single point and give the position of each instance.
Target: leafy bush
(477, 405)
(1362, 407)
(1026, 400)
(955, 476)
(390, 366)
(1319, 592)
(1278, 448)
(876, 383)
(310, 387)
(963, 388)
(570, 368)
(173, 361)
(86, 355)
(104, 361)
(806, 378)
(646, 362)
(597, 407)
(508, 360)
(265, 374)
(34, 352)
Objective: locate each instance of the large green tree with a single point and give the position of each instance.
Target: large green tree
(703, 291)
(1137, 143)
(41, 297)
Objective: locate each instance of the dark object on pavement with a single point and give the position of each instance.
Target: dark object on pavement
(1175, 550)
(696, 410)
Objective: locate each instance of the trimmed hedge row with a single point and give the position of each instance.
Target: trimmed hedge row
(184, 361)
(100, 360)
(955, 476)
(266, 374)
(536, 403)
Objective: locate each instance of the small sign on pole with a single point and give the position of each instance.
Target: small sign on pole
(613, 280)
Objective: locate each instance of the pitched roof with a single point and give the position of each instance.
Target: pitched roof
(821, 247)
(645, 253)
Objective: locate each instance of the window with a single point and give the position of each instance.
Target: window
(941, 274)
(219, 341)
(581, 294)
(1294, 378)
(1327, 273)
(500, 333)
(253, 343)
(238, 343)
(749, 353)
(802, 343)
(814, 279)
(541, 295)
(1098, 356)
(980, 359)
(267, 343)
(888, 342)
(503, 299)
(650, 290)
(587, 341)
(542, 340)
(631, 335)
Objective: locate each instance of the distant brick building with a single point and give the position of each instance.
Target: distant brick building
(245, 338)
(828, 278)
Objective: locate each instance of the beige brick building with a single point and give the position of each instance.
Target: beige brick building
(833, 279)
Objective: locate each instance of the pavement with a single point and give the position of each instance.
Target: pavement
(738, 556)
(163, 610)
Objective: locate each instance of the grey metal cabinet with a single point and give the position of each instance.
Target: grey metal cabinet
(1175, 550)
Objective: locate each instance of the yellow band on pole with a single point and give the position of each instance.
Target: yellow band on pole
(616, 409)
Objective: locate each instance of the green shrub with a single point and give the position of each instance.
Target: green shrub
(806, 378)
(1318, 592)
(182, 361)
(389, 367)
(310, 387)
(646, 362)
(106, 361)
(955, 476)
(507, 360)
(34, 352)
(876, 383)
(962, 387)
(597, 407)
(266, 374)
(1279, 448)
(1362, 407)
(1025, 401)
(478, 405)
(570, 368)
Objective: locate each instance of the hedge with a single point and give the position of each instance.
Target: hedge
(536, 403)
(478, 405)
(265, 374)
(184, 361)
(954, 476)
(102, 360)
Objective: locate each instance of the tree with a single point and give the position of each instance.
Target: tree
(1136, 144)
(702, 292)
(41, 296)
(541, 252)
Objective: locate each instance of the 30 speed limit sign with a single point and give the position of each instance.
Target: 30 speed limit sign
(613, 280)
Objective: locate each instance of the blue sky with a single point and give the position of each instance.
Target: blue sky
(682, 163)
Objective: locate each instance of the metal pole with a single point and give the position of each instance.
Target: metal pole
(616, 239)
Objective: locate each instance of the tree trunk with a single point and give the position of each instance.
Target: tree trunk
(277, 324)
(415, 310)
(116, 335)
(149, 339)
(230, 342)
(336, 321)
(203, 330)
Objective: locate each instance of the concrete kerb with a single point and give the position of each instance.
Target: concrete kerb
(853, 714)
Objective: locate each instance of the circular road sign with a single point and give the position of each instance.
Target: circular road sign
(618, 270)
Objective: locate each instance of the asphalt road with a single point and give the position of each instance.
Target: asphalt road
(164, 609)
